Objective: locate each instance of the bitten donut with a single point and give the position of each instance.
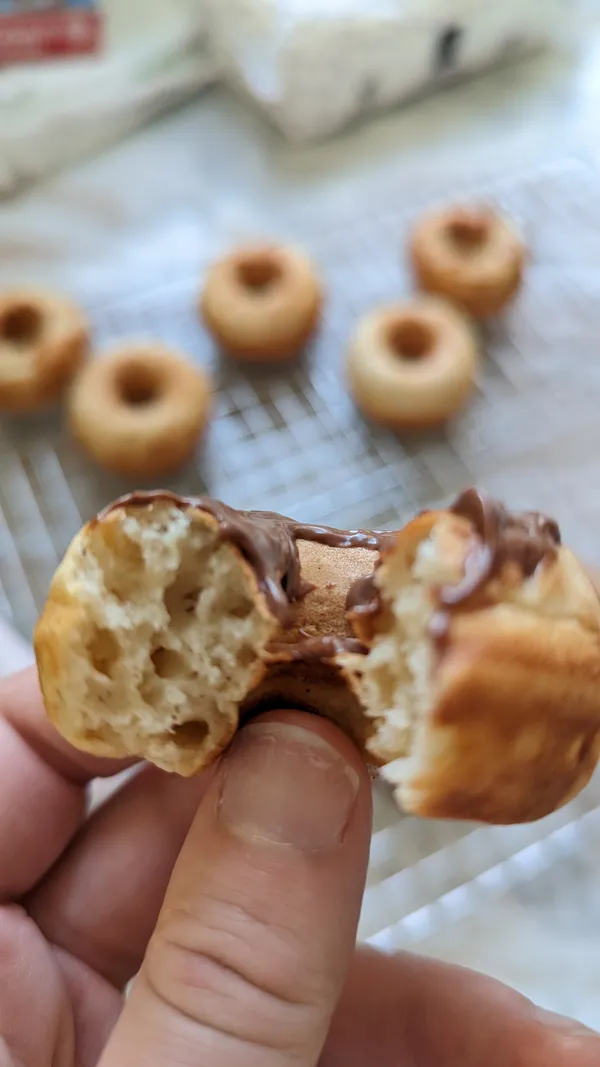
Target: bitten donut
(140, 409)
(472, 256)
(462, 654)
(413, 365)
(262, 303)
(44, 338)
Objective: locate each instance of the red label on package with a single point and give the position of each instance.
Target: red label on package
(60, 30)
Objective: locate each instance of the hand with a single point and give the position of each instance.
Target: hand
(238, 896)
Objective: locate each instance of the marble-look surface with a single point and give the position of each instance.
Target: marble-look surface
(222, 163)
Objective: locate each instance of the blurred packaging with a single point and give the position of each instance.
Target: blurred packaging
(41, 29)
(315, 65)
(155, 54)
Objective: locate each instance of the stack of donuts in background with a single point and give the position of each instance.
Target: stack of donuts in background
(140, 409)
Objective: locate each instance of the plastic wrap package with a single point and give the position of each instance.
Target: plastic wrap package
(52, 113)
(315, 65)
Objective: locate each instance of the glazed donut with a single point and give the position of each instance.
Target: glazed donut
(471, 256)
(462, 654)
(140, 409)
(262, 303)
(412, 365)
(43, 339)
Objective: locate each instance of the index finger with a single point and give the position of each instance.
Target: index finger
(42, 786)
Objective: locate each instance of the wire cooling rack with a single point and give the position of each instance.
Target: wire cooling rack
(290, 439)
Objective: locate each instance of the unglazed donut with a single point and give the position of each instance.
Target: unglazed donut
(472, 256)
(413, 365)
(262, 303)
(462, 654)
(140, 409)
(44, 338)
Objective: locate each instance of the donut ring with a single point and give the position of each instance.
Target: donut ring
(140, 409)
(43, 339)
(262, 303)
(472, 256)
(412, 365)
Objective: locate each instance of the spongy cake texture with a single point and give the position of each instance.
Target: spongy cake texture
(152, 637)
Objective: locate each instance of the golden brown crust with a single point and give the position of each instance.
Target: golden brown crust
(140, 409)
(412, 366)
(262, 303)
(471, 256)
(512, 726)
(515, 729)
(44, 338)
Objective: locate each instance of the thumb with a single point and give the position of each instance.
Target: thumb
(257, 932)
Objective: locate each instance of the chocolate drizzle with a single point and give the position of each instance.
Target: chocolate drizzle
(364, 597)
(524, 538)
(501, 536)
(268, 541)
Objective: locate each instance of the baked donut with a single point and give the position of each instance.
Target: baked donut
(471, 255)
(140, 409)
(413, 365)
(262, 303)
(462, 654)
(44, 338)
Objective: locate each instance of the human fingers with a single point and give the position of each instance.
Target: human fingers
(100, 902)
(258, 927)
(408, 1011)
(42, 786)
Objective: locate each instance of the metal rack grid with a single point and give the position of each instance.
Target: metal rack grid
(290, 439)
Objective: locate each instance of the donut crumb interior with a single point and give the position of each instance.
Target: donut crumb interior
(170, 636)
(395, 684)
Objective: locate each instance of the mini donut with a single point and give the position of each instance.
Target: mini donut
(462, 654)
(262, 303)
(140, 409)
(470, 255)
(44, 338)
(412, 365)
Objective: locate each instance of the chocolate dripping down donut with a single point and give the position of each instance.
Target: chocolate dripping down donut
(269, 542)
(501, 537)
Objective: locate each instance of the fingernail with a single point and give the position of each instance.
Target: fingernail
(284, 785)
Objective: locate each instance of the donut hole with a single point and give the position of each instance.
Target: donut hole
(167, 663)
(468, 234)
(21, 325)
(410, 338)
(259, 273)
(104, 652)
(138, 385)
(189, 734)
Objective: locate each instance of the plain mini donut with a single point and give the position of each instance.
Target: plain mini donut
(472, 256)
(44, 338)
(262, 303)
(412, 365)
(140, 409)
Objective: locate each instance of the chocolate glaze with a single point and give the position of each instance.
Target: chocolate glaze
(364, 597)
(501, 536)
(267, 540)
(524, 538)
